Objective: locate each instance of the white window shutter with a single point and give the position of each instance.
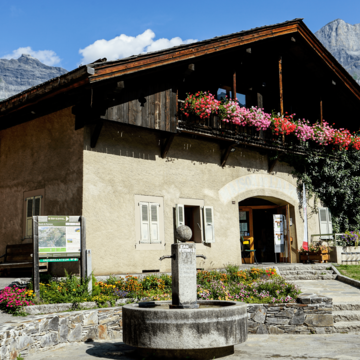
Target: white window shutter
(37, 206)
(145, 223)
(324, 222)
(154, 223)
(209, 224)
(29, 215)
(180, 215)
(329, 223)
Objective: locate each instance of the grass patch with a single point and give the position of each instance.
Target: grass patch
(351, 271)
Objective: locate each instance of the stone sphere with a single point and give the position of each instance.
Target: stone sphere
(183, 233)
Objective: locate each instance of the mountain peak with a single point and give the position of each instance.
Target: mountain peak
(343, 41)
(17, 75)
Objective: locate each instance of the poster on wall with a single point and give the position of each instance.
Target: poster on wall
(279, 243)
(59, 234)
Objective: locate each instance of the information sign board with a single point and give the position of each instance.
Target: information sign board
(59, 234)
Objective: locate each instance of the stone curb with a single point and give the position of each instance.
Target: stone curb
(55, 308)
(345, 279)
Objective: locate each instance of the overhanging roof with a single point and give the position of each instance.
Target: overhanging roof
(105, 70)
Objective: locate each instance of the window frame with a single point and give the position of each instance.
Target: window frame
(27, 195)
(161, 233)
(201, 205)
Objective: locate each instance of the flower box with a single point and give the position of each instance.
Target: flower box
(320, 256)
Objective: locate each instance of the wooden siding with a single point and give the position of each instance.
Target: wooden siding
(157, 112)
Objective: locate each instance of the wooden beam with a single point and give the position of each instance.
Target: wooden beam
(120, 86)
(96, 133)
(226, 154)
(189, 70)
(271, 164)
(167, 145)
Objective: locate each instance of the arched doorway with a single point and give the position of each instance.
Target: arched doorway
(256, 221)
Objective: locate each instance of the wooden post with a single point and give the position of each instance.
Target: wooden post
(281, 87)
(321, 112)
(83, 248)
(234, 86)
(281, 93)
(36, 274)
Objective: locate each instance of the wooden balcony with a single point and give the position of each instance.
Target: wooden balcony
(240, 135)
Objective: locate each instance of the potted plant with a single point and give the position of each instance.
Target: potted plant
(316, 252)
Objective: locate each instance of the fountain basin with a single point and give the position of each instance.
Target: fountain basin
(215, 324)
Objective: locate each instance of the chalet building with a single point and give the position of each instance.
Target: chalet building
(108, 141)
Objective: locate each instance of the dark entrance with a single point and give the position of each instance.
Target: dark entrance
(264, 235)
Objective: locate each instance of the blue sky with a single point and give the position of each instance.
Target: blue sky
(55, 32)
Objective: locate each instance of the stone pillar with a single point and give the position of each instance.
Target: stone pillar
(183, 268)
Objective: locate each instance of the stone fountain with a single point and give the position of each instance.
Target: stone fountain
(185, 327)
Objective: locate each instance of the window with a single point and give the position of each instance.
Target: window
(34, 206)
(198, 218)
(226, 91)
(149, 214)
(325, 223)
(149, 222)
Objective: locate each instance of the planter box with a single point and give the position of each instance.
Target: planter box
(321, 257)
(346, 255)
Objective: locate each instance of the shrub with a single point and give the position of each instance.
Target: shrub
(13, 299)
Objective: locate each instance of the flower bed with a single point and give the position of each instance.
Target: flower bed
(204, 104)
(250, 286)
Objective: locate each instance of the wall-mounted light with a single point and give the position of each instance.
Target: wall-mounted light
(263, 84)
(232, 149)
(333, 82)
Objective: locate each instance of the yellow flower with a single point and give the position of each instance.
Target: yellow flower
(73, 289)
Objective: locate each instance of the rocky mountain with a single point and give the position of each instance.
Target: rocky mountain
(343, 41)
(17, 75)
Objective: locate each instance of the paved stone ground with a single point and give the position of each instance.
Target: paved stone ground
(337, 290)
(6, 281)
(257, 347)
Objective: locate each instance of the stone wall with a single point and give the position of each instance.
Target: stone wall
(346, 255)
(36, 333)
(312, 315)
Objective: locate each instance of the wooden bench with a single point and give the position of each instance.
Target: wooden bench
(19, 256)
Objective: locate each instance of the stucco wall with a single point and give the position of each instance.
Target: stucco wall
(45, 153)
(126, 162)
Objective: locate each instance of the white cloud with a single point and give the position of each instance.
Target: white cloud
(123, 46)
(47, 57)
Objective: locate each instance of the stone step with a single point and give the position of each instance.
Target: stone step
(306, 272)
(309, 277)
(304, 267)
(347, 326)
(346, 315)
(354, 306)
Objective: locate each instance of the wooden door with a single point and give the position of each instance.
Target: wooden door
(286, 256)
(246, 231)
